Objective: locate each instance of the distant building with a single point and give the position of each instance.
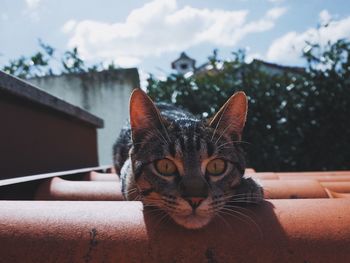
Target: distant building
(276, 69)
(105, 94)
(184, 64)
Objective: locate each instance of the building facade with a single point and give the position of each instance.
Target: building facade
(105, 94)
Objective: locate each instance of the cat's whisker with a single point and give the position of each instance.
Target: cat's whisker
(165, 131)
(247, 217)
(155, 207)
(154, 213)
(143, 143)
(146, 203)
(223, 132)
(242, 142)
(223, 144)
(158, 135)
(172, 206)
(168, 138)
(238, 201)
(228, 147)
(157, 200)
(222, 147)
(231, 144)
(160, 202)
(238, 216)
(240, 207)
(241, 194)
(131, 191)
(139, 197)
(250, 199)
(155, 129)
(150, 120)
(151, 206)
(247, 197)
(217, 124)
(232, 215)
(152, 209)
(160, 220)
(235, 197)
(223, 219)
(246, 202)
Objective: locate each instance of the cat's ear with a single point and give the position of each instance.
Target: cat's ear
(231, 118)
(144, 115)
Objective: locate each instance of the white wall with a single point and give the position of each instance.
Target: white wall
(104, 94)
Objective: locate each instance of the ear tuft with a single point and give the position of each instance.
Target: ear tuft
(232, 115)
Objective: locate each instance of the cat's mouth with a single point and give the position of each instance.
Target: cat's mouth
(192, 217)
(192, 220)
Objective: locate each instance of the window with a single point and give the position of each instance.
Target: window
(184, 66)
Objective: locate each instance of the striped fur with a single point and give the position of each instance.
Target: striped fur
(190, 143)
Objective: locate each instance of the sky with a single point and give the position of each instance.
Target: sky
(149, 35)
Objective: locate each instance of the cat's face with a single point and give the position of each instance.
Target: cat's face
(187, 167)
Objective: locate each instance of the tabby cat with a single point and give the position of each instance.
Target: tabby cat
(190, 168)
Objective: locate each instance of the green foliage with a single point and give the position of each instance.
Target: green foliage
(72, 63)
(295, 121)
(35, 65)
(47, 62)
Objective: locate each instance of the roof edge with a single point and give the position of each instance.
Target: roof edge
(24, 90)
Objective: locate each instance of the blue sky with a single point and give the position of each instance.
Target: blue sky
(150, 34)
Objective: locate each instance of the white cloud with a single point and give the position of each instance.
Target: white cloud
(32, 4)
(32, 9)
(143, 79)
(276, 1)
(288, 48)
(275, 13)
(69, 26)
(324, 17)
(160, 26)
(127, 61)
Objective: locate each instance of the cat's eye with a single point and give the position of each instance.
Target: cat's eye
(166, 167)
(216, 167)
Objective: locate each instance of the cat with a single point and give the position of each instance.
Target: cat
(188, 167)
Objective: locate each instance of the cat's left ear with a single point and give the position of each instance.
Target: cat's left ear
(231, 118)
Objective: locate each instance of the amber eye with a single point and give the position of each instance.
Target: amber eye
(216, 167)
(165, 167)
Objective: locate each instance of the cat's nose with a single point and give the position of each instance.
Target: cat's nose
(195, 201)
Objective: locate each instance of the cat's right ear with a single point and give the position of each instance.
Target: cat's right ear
(144, 115)
(232, 116)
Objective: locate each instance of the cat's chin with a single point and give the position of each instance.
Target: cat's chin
(192, 221)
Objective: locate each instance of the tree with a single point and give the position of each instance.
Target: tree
(32, 66)
(47, 62)
(295, 121)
